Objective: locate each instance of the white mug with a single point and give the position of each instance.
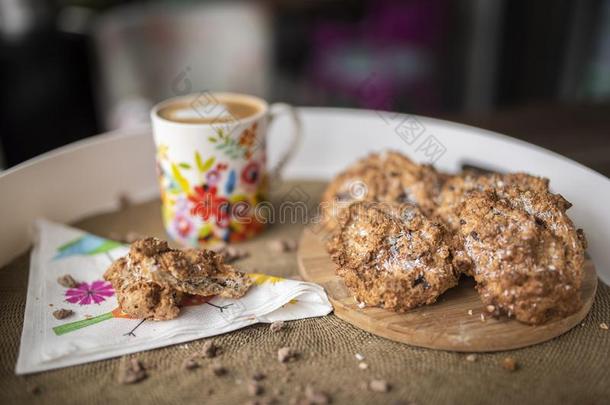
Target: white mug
(211, 166)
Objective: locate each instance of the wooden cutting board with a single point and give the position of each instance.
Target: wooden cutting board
(445, 325)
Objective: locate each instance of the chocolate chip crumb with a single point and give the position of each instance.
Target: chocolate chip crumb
(62, 313)
(258, 376)
(286, 354)
(379, 386)
(131, 371)
(510, 364)
(190, 363)
(316, 397)
(283, 245)
(219, 370)
(471, 358)
(603, 325)
(35, 390)
(254, 388)
(277, 326)
(210, 349)
(67, 281)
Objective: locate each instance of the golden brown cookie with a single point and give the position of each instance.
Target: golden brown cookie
(140, 298)
(151, 280)
(456, 188)
(391, 255)
(384, 177)
(528, 257)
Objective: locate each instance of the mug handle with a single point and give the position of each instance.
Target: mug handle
(275, 110)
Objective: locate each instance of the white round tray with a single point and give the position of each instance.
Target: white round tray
(87, 177)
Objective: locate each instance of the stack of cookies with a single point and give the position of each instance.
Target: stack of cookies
(404, 233)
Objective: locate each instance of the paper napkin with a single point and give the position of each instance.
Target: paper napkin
(99, 330)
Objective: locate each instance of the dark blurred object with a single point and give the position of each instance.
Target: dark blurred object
(575, 131)
(468, 59)
(45, 75)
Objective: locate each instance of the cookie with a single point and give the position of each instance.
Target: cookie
(383, 177)
(455, 190)
(390, 255)
(153, 278)
(527, 255)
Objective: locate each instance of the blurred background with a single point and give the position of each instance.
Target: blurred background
(539, 70)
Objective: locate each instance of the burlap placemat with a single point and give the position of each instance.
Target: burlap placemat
(573, 368)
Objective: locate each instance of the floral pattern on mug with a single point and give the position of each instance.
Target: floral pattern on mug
(219, 204)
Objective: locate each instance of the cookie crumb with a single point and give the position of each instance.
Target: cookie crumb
(190, 363)
(131, 371)
(210, 350)
(67, 281)
(361, 305)
(283, 245)
(286, 354)
(510, 364)
(490, 308)
(316, 397)
(254, 388)
(470, 312)
(219, 370)
(359, 357)
(483, 319)
(603, 325)
(62, 313)
(277, 326)
(471, 358)
(379, 386)
(363, 366)
(232, 254)
(258, 376)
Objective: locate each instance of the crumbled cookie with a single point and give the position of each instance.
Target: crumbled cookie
(254, 388)
(218, 369)
(383, 177)
(379, 386)
(131, 371)
(286, 354)
(67, 281)
(391, 255)
(363, 366)
(603, 326)
(283, 245)
(232, 254)
(190, 363)
(210, 349)
(527, 256)
(509, 364)
(277, 326)
(62, 313)
(151, 280)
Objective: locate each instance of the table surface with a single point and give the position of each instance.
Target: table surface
(572, 368)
